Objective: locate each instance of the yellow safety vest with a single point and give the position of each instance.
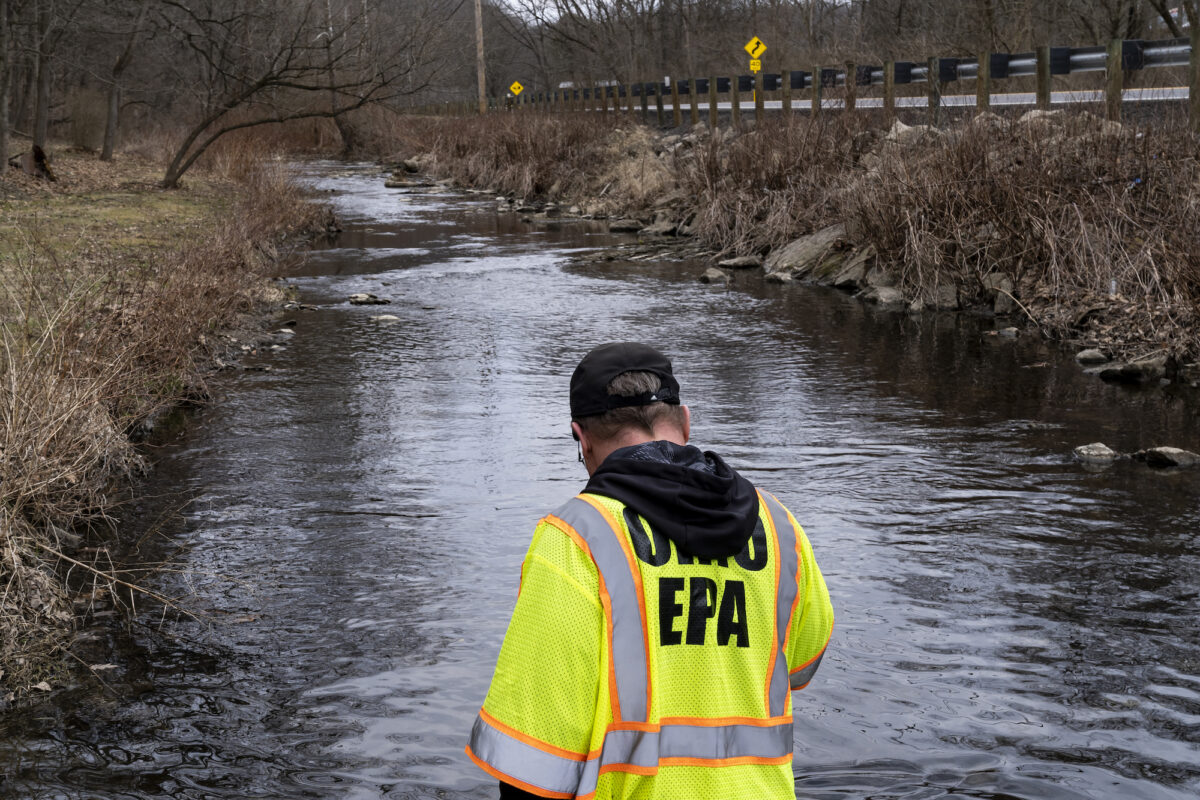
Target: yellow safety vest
(632, 670)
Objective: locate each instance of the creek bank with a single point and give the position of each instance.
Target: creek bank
(1072, 226)
(142, 295)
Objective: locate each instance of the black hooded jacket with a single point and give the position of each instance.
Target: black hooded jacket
(693, 498)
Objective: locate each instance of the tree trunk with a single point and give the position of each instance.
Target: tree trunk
(5, 71)
(110, 122)
(349, 137)
(41, 106)
(114, 88)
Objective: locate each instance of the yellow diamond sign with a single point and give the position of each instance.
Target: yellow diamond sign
(516, 87)
(756, 47)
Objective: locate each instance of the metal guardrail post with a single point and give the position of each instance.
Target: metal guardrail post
(817, 87)
(889, 90)
(1194, 82)
(758, 98)
(1115, 82)
(714, 114)
(933, 78)
(735, 103)
(851, 86)
(983, 83)
(1043, 78)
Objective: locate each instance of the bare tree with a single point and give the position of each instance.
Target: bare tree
(112, 115)
(5, 72)
(253, 63)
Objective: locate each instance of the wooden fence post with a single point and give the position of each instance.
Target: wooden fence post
(786, 90)
(676, 113)
(851, 85)
(983, 83)
(889, 91)
(1043, 78)
(758, 98)
(645, 87)
(935, 91)
(658, 105)
(694, 97)
(817, 91)
(1194, 82)
(1116, 80)
(735, 103)
(713, 112)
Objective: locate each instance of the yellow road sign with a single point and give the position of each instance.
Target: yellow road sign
(516, 87)
(755, 65)
(756, 47)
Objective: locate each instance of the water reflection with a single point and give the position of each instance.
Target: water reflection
(1009, 625)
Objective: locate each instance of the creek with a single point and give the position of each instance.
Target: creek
(1009, 624)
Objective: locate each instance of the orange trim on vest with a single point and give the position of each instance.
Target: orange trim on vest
(500, 776)
(725, 762)
(720, 722)
(545, 747)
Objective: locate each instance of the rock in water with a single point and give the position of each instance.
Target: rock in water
(1095, 453)
(714, 275)
(1146, 370)
(365, 299)
(385, 318)
(884, 296)
(660, 229)
(825, 248)
(1091, 356)
(624, 226)
(741, 262)
(1170, 457)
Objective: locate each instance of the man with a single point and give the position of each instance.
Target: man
(662, 616)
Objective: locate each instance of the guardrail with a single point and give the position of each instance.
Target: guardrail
(838, 87)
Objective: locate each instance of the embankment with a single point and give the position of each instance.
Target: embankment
(115, 299)
(1078, 228)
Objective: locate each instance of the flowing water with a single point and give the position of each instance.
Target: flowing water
(1010, 625)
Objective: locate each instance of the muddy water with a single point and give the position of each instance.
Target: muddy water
(1009, 624)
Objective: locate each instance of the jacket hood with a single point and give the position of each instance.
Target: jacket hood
(693, 498)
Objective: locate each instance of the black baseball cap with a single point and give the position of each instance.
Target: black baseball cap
(589, 382)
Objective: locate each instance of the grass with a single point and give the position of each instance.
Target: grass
(111, 291)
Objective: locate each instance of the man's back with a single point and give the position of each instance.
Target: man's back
(664, 673)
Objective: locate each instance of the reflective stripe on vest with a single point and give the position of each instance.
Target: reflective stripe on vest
(628, 643)
(785, 545)
(647, 749)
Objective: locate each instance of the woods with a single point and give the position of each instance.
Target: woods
(93, 71)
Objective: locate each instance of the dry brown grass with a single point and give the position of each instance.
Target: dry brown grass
(101, 327)
(605, 161)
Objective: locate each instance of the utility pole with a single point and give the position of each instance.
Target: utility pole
(479, 56)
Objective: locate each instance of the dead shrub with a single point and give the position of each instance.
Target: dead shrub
(89, 349)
